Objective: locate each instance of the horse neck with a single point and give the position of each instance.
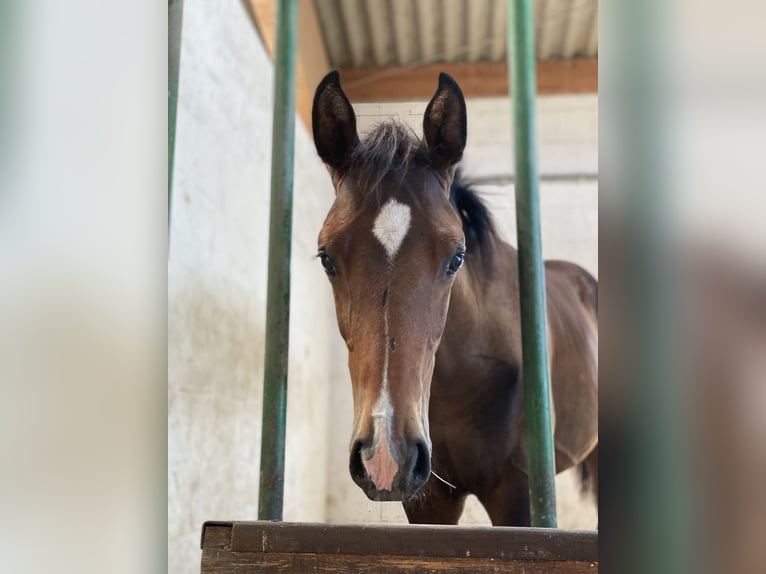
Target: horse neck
(467, 348)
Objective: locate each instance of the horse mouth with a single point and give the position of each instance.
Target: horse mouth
(395, 495)
(383, 495)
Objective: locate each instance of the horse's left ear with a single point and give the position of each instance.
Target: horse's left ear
(444, 124)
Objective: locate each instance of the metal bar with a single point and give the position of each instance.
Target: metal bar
(663, 535)
(271, 491)
(537, 402)
(553, 178)
(175, 19)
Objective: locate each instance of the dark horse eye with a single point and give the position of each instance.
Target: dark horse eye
(455, 263)
(328, 264)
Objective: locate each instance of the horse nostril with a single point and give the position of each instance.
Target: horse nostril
(422, 467)
(355, 465)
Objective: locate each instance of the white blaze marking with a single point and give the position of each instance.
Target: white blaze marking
(391, 225)
(383, 406)
(381, 467)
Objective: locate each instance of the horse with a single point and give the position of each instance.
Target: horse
(427, 301)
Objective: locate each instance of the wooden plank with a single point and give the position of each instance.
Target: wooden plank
(216, 534)
(477, 80)
(411, 540)
(280, 547)
(220, 562)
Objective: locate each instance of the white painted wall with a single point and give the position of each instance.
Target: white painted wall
(217, 282)
(217, 290)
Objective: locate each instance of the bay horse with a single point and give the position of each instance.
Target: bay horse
(427, 301)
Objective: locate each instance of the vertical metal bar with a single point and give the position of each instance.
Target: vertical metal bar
(271, 491)
(662, 490)
(175, 19)
(537, 402)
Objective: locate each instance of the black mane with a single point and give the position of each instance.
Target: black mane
(478, 226)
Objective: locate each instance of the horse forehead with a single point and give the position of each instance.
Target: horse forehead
(391, 225)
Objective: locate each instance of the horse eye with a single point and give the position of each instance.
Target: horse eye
(455, 263)
(328, 264)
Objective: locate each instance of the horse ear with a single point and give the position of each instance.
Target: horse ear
(334, 124)
(444, 124)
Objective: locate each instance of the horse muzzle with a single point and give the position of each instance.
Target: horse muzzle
(390, 471)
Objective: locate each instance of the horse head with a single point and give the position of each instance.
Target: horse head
(391, 246)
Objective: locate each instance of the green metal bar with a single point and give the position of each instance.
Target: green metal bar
(537, 402)
(271, 492)
(175, 19)
(664, 536)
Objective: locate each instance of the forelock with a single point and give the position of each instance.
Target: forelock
(389, 149)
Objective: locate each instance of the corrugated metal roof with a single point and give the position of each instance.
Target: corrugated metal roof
(371, 33)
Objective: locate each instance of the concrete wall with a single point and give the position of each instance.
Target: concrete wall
(217, 290)
(217, 282)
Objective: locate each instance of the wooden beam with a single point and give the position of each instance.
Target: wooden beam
(264, 13)
(312, 62)
(290, 547)
(478, 80)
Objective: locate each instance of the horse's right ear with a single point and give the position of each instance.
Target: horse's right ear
(334, 124)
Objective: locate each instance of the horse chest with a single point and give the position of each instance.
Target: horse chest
(474, 424)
